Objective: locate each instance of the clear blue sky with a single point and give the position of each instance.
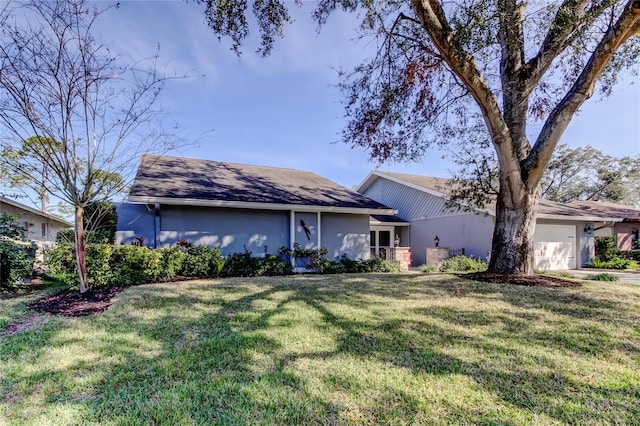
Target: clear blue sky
(284, 110)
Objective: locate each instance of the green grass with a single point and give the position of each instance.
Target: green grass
(356, 349)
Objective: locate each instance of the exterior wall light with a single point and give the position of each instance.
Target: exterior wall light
(437, 241)
(588, 229)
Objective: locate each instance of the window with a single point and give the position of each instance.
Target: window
(635, 239)
(44, 230)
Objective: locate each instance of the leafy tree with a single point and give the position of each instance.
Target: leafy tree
(439, 65)
(9, 226)
(588, 174)
(75, 117)
(573, 175)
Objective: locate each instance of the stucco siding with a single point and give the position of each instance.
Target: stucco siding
(410, 203)
(346, 234)
(135, 220)
(468, 231)
(230, 230)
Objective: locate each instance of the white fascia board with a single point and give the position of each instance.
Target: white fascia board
(366, 182)
(35, 211)
(578, 218)
(377, 222)
(258, 206)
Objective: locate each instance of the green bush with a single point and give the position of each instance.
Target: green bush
(100, 267)
(171, 262)
(203, 262)
(61, 262)
(462, 264)
(615, 263)
(375, 264)
(272, 265)
(631, 254)
(429, 269)
(17, 261)
(133, 265)
(606, 248)
(602, 277)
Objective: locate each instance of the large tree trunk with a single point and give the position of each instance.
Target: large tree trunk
(512, 245)
(81, 249)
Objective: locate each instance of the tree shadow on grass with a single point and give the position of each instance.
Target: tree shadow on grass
(169, 355)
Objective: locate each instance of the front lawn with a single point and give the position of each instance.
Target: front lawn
(355, 349)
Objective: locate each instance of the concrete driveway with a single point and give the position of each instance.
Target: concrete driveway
(631, 277)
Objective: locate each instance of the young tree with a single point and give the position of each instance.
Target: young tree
(438, 63)
(70, 107)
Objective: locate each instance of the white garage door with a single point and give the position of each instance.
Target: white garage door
(555, 247)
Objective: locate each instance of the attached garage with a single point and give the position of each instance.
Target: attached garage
(555, 247)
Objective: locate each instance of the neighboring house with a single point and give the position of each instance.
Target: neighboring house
(563, 236)
(626, 228)
(41, 228)
(38, 226)
(235, 207)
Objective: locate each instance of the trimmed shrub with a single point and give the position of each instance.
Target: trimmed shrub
(272, 265)
(100, 267)
(462, 264)
(203, 262)
(134, 265)
(375, 264)
(428, 269)
(61, 261)
(171, 262)
(606, 248)
(17, 261)
(631, 254)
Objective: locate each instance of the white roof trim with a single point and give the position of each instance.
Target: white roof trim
(576, 218)
(258, 206)
(10, 202)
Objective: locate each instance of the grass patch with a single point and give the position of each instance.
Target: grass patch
(356, 349)
(602, 277)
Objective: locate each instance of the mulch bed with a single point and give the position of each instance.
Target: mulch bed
(528, 280)
(74, 304)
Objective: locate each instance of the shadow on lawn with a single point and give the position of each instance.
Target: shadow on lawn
(196, 362)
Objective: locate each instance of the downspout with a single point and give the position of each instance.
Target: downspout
(156, 227)
(319, 230)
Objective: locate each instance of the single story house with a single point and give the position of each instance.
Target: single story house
(235, 207)
(38, 226)
(625, 228)
(564, 237)
(41, 228)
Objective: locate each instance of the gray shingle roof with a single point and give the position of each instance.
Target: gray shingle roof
(627, 213)
(546, 208)
(165, 178)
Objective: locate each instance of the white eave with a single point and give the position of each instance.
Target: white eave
(258, 206)
(577, 218)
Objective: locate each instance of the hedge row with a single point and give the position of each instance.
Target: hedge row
(16, 262)
(109, 265)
